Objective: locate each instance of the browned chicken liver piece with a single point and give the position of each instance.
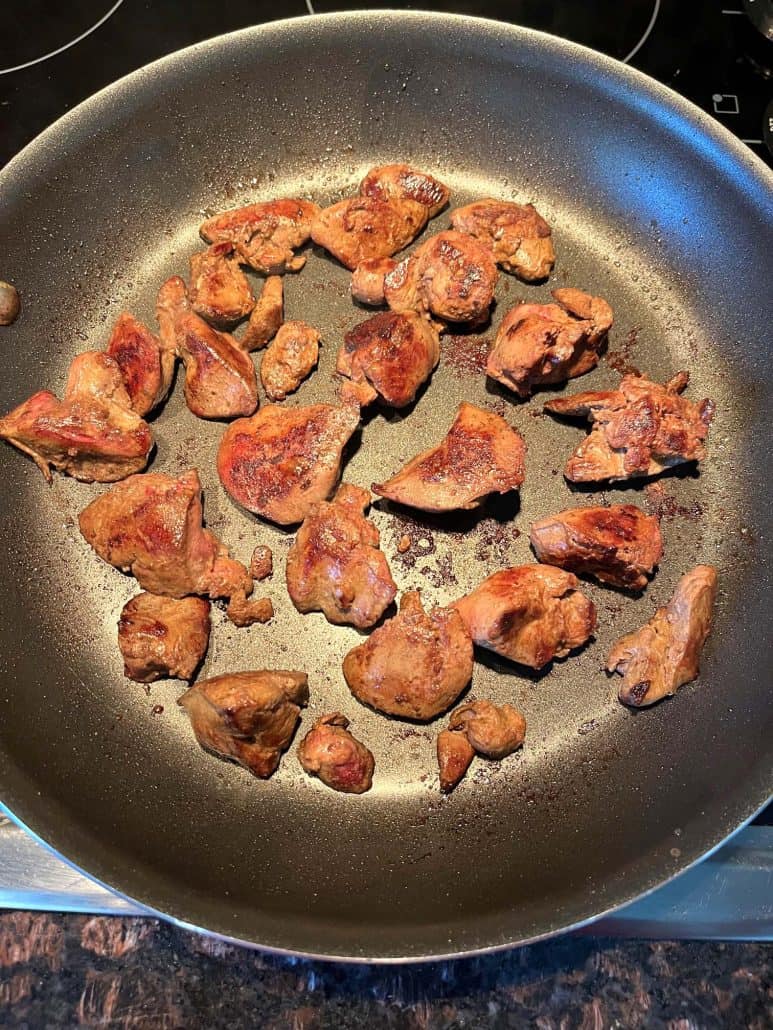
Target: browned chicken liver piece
(249, 717)
(261, 563)
(10, 303)
(518, 235)
(219, 291)
(448, 278)
(656, 660)
(530, 614)
(335, 565)
(246, 611)
(151, 527)
(220, 380)
(290, 357)
(402, 184)
(330, 752)
(266, 316)
(394, 204)
(640, 429)
(480, 455)
(618, 545)
(92, 434)
(368, 280)
(283, 461)
(537, 344)
(163, 637)
(454, 757)
(494, 731)
(365, 228)
(414, 666)
(147, 370)
(392, 353)
(265, 235)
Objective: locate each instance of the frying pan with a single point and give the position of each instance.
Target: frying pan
(654, 207)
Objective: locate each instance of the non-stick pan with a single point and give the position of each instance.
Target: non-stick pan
(656, 208)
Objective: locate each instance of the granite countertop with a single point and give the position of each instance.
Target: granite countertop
(67, 970)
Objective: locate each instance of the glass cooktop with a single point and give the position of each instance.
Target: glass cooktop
(718, 53)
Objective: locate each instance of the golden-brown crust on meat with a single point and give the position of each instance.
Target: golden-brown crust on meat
(656, 660)
(480, 455)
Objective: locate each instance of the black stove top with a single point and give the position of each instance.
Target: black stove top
(715, 52)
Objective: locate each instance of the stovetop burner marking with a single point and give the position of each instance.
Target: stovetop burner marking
(66, 46)
(647, 32)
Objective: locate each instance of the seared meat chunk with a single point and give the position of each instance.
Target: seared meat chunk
(151, 527)
(10, 303)
(640, 429)
(146, 369)
(220, 380)
(92, 434)
(448, 278)
(331, 752)
(530, 614)
(392, 355)
(401, 184)
(549, 343)
(283, 461)
(163, 637)
(414, 666)
(394, 204)
(454, 757)
(290, 357)
(518, 235)
(219, 291)
(249, 717)
(656, 660)
(335, 565)
(266, 316)
(494, 731)
(480, 455)
(618, 545)
(365, 228)
(368, 280)
(246, 611)
(261, 563)
(265, 235)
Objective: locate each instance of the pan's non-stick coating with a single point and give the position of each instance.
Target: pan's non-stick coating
(654, 208)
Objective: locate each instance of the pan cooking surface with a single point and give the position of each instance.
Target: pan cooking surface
(602, 803)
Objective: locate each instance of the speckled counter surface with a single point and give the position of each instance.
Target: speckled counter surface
(63, 971)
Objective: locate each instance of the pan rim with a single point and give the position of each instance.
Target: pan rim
(754, 164)
(388, 960)
(742, 157)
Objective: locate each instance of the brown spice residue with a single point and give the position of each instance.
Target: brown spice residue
(443, 573)
(421, 543)
(494, 539)
(665, 505)
(620, 359)
(465, 355)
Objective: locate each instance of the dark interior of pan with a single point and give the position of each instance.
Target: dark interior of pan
(653, 207)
